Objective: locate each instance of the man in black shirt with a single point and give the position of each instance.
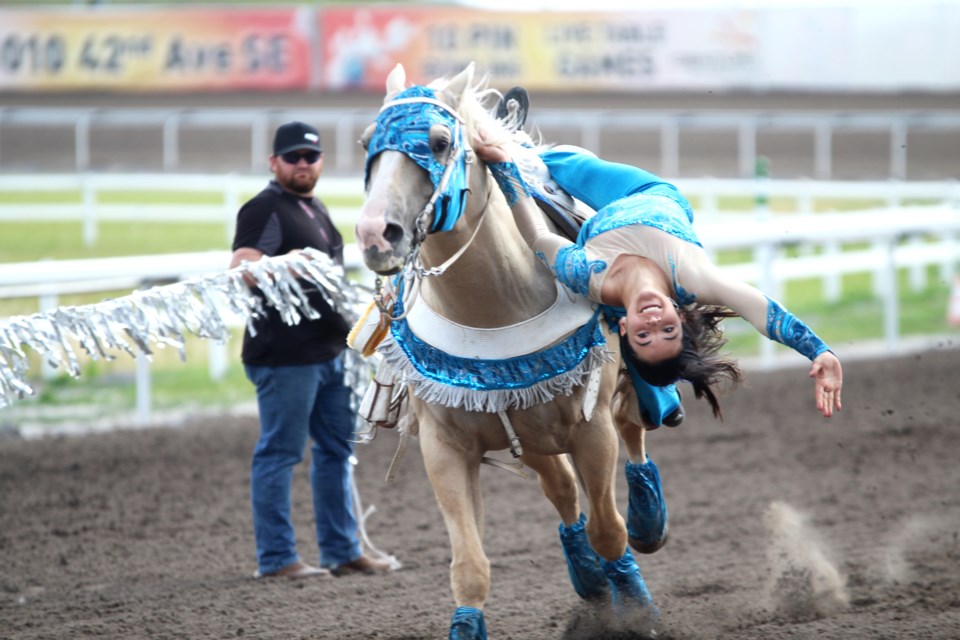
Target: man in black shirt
(298, 373)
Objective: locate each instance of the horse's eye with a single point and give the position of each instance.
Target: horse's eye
(439, 139)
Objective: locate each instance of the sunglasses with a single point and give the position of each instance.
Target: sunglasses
(293, 157)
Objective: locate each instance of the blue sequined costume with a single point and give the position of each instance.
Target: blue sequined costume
(629, 203)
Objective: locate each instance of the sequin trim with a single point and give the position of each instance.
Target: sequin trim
(659, 212)
(573, 269)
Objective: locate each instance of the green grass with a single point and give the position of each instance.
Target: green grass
(857, 316)
(30, 241)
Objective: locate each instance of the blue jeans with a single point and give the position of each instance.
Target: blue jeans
(296, 401)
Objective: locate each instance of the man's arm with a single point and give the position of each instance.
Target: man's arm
(245, 253)
(248, 254)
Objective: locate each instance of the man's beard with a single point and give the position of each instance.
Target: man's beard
(301, 183)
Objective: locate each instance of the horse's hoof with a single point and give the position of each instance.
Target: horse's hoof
(583, 563)
(649, 547)
(468, 624)
(632, 603)
(647, 527)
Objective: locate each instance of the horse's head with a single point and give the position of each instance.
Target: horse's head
(417, 168)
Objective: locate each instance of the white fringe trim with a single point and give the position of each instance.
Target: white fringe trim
(491, 401)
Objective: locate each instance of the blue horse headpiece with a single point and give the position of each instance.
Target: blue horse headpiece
(404, 126)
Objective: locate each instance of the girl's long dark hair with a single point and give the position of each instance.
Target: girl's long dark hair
(699, 361)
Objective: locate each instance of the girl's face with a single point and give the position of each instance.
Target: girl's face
(652, 327)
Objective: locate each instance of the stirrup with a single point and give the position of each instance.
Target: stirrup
(515, 101)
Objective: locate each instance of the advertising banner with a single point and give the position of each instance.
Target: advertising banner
(776, 48)
(181, 49)
(658, 49)
(344, 47)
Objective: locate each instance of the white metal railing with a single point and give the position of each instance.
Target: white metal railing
(899, 235)
(589, 125)
(90, 188)
(913, 237)
(233, 190)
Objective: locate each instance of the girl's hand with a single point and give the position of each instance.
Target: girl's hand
(827, 379)
(487, 152)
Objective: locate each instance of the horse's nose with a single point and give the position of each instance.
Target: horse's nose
(369, 232)
(393, 233)
(376, 232)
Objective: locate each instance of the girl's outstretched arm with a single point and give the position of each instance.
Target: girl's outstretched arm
(526, 213)
(772, 320)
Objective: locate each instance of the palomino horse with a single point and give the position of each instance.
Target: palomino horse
(434, 215)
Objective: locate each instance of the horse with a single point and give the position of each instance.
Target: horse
(435, 221)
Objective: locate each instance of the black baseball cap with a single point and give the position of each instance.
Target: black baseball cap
(294, 136)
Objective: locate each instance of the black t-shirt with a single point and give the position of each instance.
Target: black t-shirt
(276, 222)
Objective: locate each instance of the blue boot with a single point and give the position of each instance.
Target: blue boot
(626, 582)
(647, 527)
(583, 563)
(468, 624)
(632, 603)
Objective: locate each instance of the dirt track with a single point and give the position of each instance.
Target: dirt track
(147, 534)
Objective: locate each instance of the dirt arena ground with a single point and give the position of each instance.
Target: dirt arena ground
(783, 525)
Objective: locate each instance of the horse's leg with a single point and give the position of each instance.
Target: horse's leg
(559, 484)
(647, 524)
(455, 475)
(595, 457)
(594, 453)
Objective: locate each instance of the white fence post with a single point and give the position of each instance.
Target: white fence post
(89, 211)
(171, 142)
(346, 141)
(833, 281)
(823, 150)
(669, 147)
(898, 150)
(231, 204)
(891, 306)
(82, 143)
(217, 359)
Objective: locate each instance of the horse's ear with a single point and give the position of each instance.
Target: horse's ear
(367, 135)
(458, 85)
(396, 80)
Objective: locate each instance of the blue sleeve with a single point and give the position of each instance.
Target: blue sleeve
(598, 182)
(789, 330)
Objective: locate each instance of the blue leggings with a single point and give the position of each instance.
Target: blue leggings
(598, 182)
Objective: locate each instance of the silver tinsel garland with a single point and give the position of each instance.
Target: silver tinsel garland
(163, 315)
